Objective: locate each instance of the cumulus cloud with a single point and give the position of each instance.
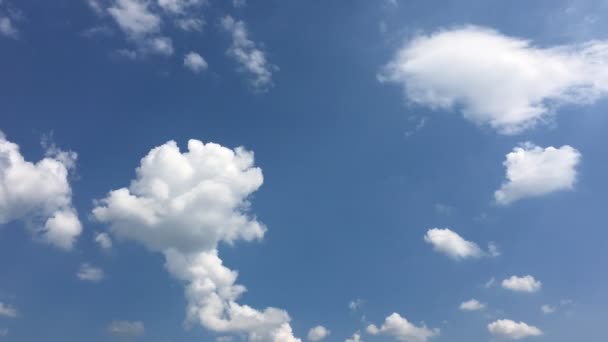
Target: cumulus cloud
(39, 193)
(318, 333)
(90, 273)
(533, 171)
(472, 305)
(522, 284)
(402, 330)
(7, 310)
(355, 338)
(509, 329)
(454, 246)
(248, 55)
(195, 62)
(505, 82)
(183, 205)
(126, 329)
(103, 240)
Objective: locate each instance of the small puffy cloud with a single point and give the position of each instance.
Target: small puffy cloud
(355, 338)
(472, 305)
(402, 330)
(505, 82)
(39, 193)
(8, 310)
(248, 55)
(509, 329)
(7, 28)
(126, 329)
(454, 246)
(355, 304)
(195, 62)
(548, 309)
(522, 284)
(533, 171)
(183, 204)
(318, 333)
(103, 240)
(90, 273)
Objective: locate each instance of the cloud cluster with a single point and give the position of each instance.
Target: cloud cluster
(183, 205)
(401, 329)
(522, 284)
(454, 246)
(533, 171)
(248, 55)
(39, 194)
(505, 82)
(509, 329)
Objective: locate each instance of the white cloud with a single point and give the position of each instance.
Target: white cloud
(402, 330)
(522, 284)
(90, 273)
(7, 310)
(472, 305)
(489, 283)
(454, 246)
(195, 62)
(180, 6)
(127, 329)
(96, 6)
(509, 329)
(7, 28)
(250, 58)
(355, 304)
(318, 333)
(534, 171)
(39, 194)
(497, 80)
(103, 240)
(355, 338)
(548, 309)
(190, 24)
(183, 205)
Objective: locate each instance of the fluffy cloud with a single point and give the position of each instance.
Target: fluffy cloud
(402, 330)
(90, 273)
(535, 171)
(522, 284)
(454, 246)
(7, 310)
(509, 329)
(39, 193)
(497, 80)
(103, 240)
(318, 333)
(126, 329)
(355, 338)
(183, 205)
(195, 62)
(472, 305)
(250, 58)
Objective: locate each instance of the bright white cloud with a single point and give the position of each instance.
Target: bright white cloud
(90, 273)
(355, 338)
(183, 205)
(250, 58)
(127, 329)
(522, 284)
(318, 333)
(533, 171)
(497, 80)
(509, 329)
(7, 310)
(195, 62)
(472, 305)
(548, 309)
(39, 193)
(402, 330)
(103, 240)
(454, 246)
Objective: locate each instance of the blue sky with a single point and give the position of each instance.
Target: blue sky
(410, 170)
